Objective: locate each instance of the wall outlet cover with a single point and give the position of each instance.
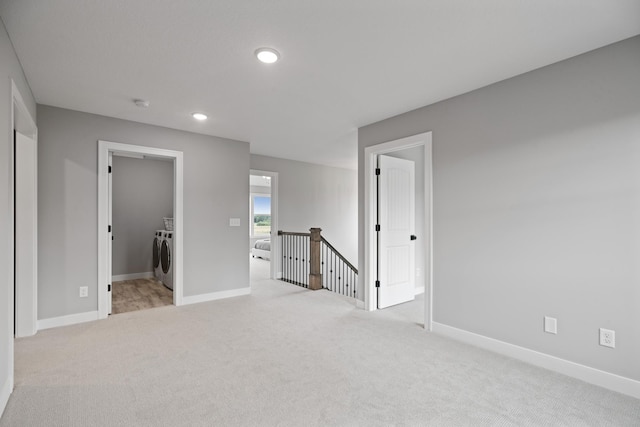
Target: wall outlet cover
(607, 338)
(84, 291)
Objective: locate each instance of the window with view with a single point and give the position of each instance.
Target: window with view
(261, 215)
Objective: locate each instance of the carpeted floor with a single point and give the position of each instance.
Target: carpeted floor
(286, 356)
(139, 294)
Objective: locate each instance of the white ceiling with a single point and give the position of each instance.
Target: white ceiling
(344, 64)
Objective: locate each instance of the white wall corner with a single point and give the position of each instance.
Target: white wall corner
(194, 299)
(71, 319)
(590, 375)
(5, 392)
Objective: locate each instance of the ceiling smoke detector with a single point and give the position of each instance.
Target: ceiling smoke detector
(267, 55)
(141, 103)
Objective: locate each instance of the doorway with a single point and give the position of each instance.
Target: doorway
(142, 226)
(106, 150)
(423, 272)
(24, 199)
(263, 224)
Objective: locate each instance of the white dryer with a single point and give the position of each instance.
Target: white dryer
(166, 259)
(157, 246)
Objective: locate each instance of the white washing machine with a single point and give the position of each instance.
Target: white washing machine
(157, 245)
(166, 259)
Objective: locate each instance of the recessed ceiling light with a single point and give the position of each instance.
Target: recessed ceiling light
(267, 55)
(199, 116)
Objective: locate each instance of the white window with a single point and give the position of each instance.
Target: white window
(260, 215)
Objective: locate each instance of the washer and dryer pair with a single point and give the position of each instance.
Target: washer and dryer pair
(163, 257)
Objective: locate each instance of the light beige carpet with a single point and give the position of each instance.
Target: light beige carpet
(286, 356)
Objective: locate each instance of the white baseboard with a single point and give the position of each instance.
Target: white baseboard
(279, 275)
(70, 319)
(600, 378)
(215, 296)
(419, 290)
(360, 304)
(133, 276)
(5, 392)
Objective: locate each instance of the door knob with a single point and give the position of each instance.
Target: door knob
(413, 237)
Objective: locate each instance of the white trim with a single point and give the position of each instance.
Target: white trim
(195, 299)
(419, 290)
(27, 298)
(5, 392)
(594, 376)
(370, 153)
(133, 276)
(70, 319)
(104, 148)
(275, 241)
(360, 304)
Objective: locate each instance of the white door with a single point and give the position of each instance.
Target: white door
(110, 236)
(396, 220)
(26, 239)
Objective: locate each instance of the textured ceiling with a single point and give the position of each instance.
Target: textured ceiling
(344, 64)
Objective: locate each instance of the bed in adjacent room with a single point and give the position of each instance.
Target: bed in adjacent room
(262, 249)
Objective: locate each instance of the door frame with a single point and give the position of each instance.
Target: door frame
(370, 202)
(104, 255)
(26, 296)
(275, 243)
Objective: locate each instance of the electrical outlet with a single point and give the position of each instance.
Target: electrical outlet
(607, 338)
(550, 325)
(84, 291)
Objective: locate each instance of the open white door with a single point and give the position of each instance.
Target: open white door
(396, 220)
(26, 220)
(110, 233)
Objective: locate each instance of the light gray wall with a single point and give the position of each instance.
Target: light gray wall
(416, 154)
(142, 196)
(312, 195)
(9, 69)
(536, 202)
(216, 188)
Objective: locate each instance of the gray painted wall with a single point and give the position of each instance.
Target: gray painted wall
(312, 195)
(9, 69)
(416, 155)
(216, 187)
(142, 196)
(536, 196)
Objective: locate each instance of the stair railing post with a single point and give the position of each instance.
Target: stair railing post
(315, 275)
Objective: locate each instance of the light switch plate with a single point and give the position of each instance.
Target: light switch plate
(234, 222)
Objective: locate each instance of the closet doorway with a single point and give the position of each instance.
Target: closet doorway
(142, 232)
(263, 225)
(106, 235)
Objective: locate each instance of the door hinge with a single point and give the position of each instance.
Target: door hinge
(109, 169)
(377, 227)
(109, 228)
(377, 171)
(109, 287)
(377, 283)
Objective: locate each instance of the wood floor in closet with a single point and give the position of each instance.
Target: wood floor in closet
(139, 294)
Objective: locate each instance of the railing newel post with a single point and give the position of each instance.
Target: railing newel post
(315, 275)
